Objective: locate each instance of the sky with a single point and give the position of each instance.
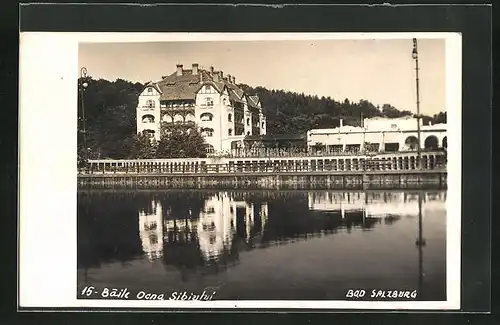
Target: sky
(380, 71)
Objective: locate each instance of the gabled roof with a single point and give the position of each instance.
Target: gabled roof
(234, 96)
(151, 84)
(217, 85)
(253, 101)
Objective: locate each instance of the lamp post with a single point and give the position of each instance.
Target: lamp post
(414, 55)
(83, 86)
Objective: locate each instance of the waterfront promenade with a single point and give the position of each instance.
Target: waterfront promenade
(382, 168)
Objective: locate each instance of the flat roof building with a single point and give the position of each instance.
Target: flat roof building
(379, 134)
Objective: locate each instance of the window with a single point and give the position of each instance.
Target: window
(393, 126)
(206, 117)
(248, 121)
(207, 132)
(149, 133)
(209, 101)
(150, 90)
(248, 133)
(262, 124)
(209, 148)
(230, 132)
(207, 87)
(153, 239)
(229, 118)
(150, 103)
(148, 119)
(151, 226)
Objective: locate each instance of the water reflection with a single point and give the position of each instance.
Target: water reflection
(201, 233)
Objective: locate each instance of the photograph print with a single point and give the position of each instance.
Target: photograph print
(263, 171)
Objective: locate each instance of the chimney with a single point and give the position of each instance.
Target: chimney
(211, 70)
(216, 76)
(341, 122)
(195, 68)
(221, 75)
(234, 80)
(179, 69)
(229, 78)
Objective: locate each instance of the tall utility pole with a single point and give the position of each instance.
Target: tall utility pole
(414, 55)
(83, 86)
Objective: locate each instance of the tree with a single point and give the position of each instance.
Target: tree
(439, 118)
(181, 141)
(141, 147)
(318, 147)
(110, 116)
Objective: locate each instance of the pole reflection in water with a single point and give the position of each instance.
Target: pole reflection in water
(263, 245)
(420, 243)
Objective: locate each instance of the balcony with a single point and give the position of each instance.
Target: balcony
(148, 124)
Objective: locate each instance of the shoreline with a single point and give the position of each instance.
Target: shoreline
(413, 180)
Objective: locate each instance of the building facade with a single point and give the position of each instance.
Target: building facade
(213, 102)
(379, 135)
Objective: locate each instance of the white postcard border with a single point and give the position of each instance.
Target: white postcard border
(47, 159)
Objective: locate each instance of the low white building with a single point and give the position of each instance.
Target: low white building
(379, 134)
(376, 204)
(224, 113)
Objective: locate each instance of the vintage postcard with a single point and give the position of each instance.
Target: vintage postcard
(242, 170)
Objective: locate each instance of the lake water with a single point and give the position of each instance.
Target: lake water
(264, 244)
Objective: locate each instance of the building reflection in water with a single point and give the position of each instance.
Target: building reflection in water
(151, 230)
(214, 233)
(210, 231)
(376, 204)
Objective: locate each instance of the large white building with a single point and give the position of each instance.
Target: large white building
(224, 113)
(380, 134)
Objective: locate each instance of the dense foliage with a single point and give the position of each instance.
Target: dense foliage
(181, 142)
(110, 115)
(289, 112)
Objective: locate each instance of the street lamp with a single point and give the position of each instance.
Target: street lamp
(83, 86)
(414, 55)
